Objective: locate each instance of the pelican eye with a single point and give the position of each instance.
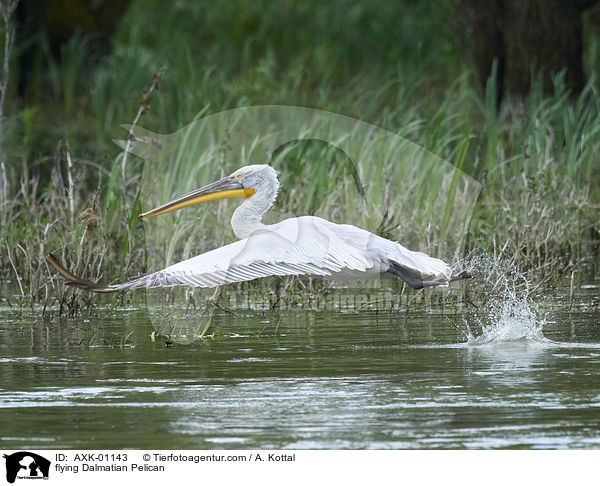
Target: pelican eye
(238, 176)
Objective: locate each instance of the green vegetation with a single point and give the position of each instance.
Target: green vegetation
(390, 64)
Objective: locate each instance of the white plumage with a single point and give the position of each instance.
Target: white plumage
(307, 245)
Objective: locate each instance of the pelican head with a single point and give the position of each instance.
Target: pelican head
(258, 182)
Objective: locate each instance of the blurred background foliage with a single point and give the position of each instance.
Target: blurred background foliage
(341, 55)
(476, 84)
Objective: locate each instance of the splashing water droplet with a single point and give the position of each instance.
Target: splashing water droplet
(512, 318)
(508, 313)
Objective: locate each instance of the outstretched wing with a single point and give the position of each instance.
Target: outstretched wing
(295, 246)
(298, 246)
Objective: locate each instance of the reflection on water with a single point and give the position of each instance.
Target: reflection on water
(299, 379)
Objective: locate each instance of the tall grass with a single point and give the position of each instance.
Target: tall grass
(392, 65)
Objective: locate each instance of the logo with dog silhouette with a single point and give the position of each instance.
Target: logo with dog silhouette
(26, 465)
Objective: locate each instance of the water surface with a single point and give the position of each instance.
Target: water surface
(300, 379)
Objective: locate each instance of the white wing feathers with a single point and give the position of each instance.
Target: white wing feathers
(293, 247)
(298, 246)
(417, 269)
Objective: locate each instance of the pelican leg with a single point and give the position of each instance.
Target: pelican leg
(412, 277)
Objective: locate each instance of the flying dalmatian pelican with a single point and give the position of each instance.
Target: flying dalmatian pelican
(307, 245)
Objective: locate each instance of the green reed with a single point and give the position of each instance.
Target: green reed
(536, 157)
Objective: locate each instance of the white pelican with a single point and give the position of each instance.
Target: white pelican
(307, 245)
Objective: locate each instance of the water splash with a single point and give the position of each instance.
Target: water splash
(512, 317)
(507, 312)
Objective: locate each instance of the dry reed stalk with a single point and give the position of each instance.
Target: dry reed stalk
(144, 106)
(71, 185)
(15, 270)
